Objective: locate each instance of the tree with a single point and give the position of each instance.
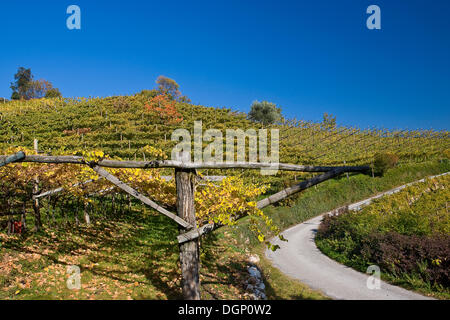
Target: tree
(168, 87)
(39, 88)
(265, 112)
(21, 86)
(53, 93)
(26, 88)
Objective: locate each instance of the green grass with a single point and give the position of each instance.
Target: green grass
(133, 257)
(339, 192)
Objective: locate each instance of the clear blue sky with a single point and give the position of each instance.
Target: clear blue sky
(309, 57)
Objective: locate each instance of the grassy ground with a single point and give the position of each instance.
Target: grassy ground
(136, 257)
(132, 258)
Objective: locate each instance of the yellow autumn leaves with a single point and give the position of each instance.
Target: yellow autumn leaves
(221, 203)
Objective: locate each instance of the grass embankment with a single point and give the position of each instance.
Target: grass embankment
(406, 234)
(135, 256)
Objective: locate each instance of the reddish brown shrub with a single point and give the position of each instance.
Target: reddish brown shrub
(401, 253)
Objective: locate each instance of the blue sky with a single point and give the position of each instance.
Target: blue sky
(309, 57)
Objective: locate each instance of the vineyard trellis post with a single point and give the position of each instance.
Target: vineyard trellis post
(189, 250)
(185, 180)
(36, 208)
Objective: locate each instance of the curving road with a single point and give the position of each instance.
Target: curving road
(302, 260)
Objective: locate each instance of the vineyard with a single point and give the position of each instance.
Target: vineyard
(44, 195)
(123, 126)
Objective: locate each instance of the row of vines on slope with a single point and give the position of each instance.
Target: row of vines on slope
(122, 125)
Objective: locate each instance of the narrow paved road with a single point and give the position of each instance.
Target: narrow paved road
(301, 259)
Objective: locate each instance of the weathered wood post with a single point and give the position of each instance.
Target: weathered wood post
(345, 163)
(189, 251)
(36, 207)
(87, 218)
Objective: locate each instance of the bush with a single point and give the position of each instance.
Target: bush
(428, 257)
(383, 162)
(53, 93)
(446, 153)
(425, 256)
(149, 94)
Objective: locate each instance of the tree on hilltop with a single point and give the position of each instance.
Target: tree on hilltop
(171, 89)
(24, 87)
(168, 87)
(265, 112)
(21, 86)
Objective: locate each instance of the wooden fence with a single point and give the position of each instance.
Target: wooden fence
(185, 179)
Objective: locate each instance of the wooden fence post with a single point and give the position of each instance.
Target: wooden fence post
(36, 207)
(345, 163)
(189, 251)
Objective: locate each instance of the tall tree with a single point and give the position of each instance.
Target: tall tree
(265, 112)
(21, 86)
(26, 88)
(168, 87)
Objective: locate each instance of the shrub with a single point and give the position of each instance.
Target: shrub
(428, 257)
(53, 93)
(446, 153)
(383, 162)
(148, 94)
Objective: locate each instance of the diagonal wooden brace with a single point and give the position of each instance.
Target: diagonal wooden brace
(198, 232)
(114, 180)
(13, 158)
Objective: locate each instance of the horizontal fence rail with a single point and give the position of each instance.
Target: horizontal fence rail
(182, 164)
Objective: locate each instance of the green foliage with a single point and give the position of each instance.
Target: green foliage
(446, 153)
(149, 94)
(168, 87)
(53, 93)
(264, 112)
(383, 162)
(15, 96)
(21, 86)
(329, 121)
(26, 88)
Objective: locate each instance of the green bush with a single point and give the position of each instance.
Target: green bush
(148, 94)
(447, 153)
(383, 162)
(53, 93)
